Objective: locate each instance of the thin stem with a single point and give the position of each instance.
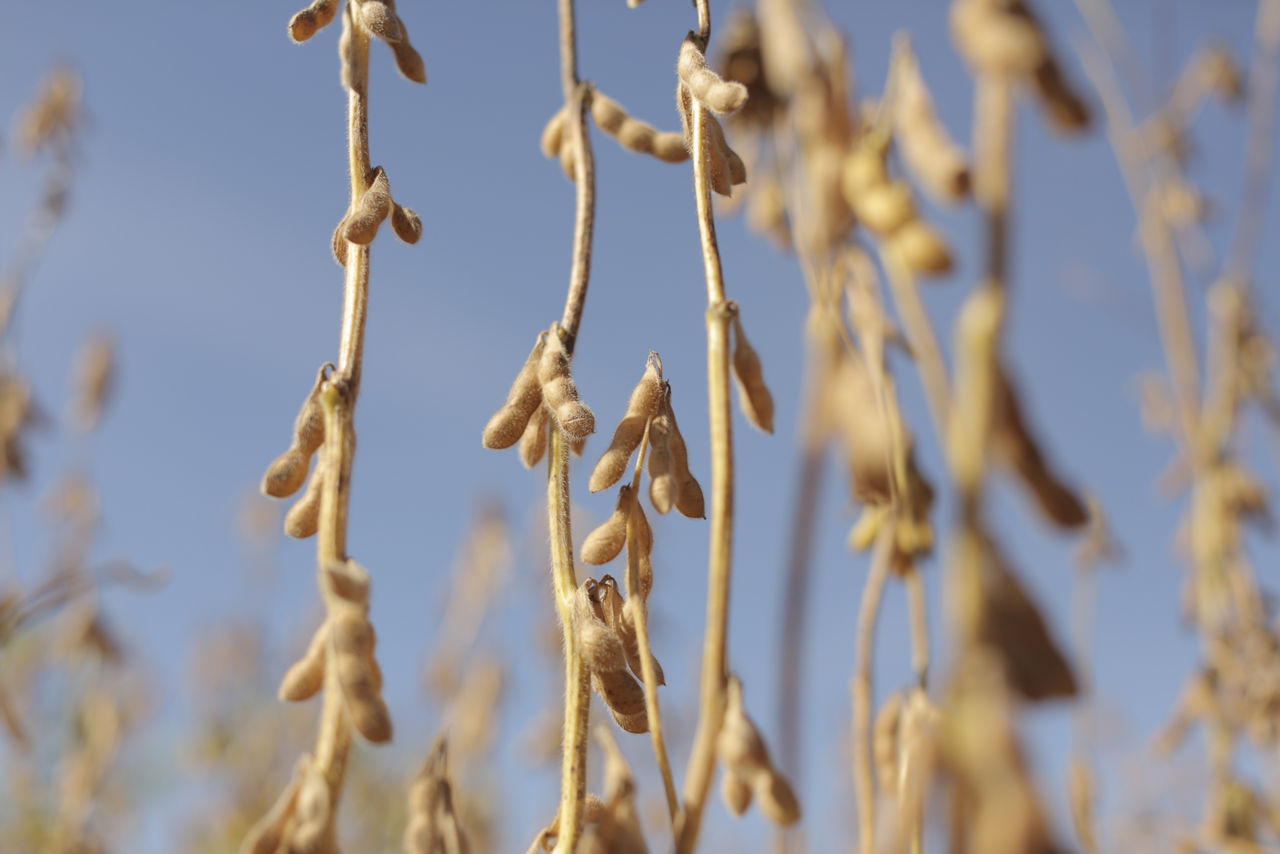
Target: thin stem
(918, 615)
(920, 336)
(638, 607)
(868, 612)
(573, 772)
(339, 399)
(584, 222)
(714, 658)
(568, 49)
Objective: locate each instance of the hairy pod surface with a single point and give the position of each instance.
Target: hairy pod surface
(689, 499)
(753, 394)
(306, 677)
(574, 417)
(303, 518)
(662, 482)
(605, 542)
(506, 426)
(533, 442)
(406, 223)
(312, 19)
(704, 84)
(370, 212)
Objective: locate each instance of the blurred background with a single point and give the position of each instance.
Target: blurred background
(207, 181)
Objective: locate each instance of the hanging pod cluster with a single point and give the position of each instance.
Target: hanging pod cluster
(346, 640)
(748, 771)
(288, 472)
(360, 224)
(609, 647)
(697, 81)
(376, 18)
(543, 389)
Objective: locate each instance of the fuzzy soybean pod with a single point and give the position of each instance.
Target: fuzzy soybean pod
(306, 676)
(409, 61)
(643, 403)
(603, 653)
(303, 518)
(618, 616)
(286, 475)
(533, 442)
(923, 249)
(633, 134)
(689, 499)
(663, 487)
(606, 541)
(725, 167)
(753, 394)
(406, 223)
(358, 674)
(712, 92)
(379, 20)
(506, 426)
(884, 208)
(312, 19)
(574, 417)
(374, 207)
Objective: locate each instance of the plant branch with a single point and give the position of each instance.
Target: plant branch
(573, 775)
(714, 658)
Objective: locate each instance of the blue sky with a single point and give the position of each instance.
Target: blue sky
(199, 234)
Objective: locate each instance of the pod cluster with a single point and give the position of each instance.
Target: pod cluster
(288, 472)
(376, 18)
(610, 649)
(345, 641)
(748, 771)
(300, 818)
(698, 82)
(612, 118)
(361, 222)
(542, 390)
(434, 827)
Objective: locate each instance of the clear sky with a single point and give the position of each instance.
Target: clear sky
(199, 234)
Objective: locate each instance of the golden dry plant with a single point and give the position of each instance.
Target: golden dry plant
(340, 661)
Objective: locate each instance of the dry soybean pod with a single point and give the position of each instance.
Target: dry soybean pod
(312, 19)
(359, 677)
(533, 443)
(644, 401)
(286, 475)
(506, 426)
(361, 225)
(553, 133)
(574, 417)
(634, 134)
(704, 84)
(689, 499)
(406, 223)
(753, 394)
(306, 676)
(928, 151)
(303, 518)
(663, 487)
(606, 541)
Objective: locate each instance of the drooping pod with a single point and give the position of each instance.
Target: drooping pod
(306, 677)
(605, 542)
(642, 404)
(725, 167)
(374, 207)
(433, 826)
(612, 118)
(745, 756)
(553, 133)
(533, 442)
(508, 423)
(689, 500)
(406, 223)
(712, 92)
(409, 61)
(663, 487)
(1016, 444)
(603, 653)
(288, 472)
(619, 616)
(753, 394)
(312, 19)
(353, 642)
(312, 811)
(931, 156)
(560, 393)
(303, 518)
(267, 836)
